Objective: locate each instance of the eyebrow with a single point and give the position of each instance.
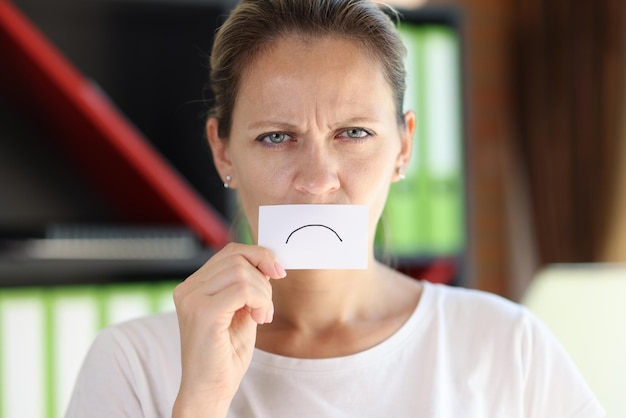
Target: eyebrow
(263, 124)
(289, 127)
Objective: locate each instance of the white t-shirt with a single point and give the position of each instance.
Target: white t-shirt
(462, 353)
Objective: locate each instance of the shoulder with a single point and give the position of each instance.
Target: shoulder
(154, 326)
(132, 369)
(150, 333)
(507, 344)
(134, 346)
(482, 319)
(470, 304)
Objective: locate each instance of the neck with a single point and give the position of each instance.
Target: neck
(323, 313)
(319, 299)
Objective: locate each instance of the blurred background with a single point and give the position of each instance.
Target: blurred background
(545, 97)
(106, 178)
(540, 138)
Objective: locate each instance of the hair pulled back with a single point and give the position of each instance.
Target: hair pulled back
(255, 25)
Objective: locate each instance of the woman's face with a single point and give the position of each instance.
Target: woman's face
(314, 123)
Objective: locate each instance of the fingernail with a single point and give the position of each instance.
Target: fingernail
(270, 316)
(279, 269)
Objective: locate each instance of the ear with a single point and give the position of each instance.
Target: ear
(406, 140)
(219, 149)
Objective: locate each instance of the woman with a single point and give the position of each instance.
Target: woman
(308, 110)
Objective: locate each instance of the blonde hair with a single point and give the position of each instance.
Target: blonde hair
(254, 25)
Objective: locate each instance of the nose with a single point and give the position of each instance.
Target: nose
(316, 171)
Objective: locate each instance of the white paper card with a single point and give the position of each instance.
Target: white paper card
(316, 236)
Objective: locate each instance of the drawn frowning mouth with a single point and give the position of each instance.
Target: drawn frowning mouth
(313, 225)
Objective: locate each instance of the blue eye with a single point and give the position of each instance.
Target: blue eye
(274, 138)
(356, 133)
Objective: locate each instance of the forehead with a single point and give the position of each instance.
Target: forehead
(298, 71)
(296, 52)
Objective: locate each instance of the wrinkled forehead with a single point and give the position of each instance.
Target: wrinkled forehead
(307, 41)
(297, 78)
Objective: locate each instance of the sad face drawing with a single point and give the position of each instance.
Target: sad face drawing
(316, 236)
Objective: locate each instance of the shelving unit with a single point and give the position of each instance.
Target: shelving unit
(140, 185)
(427, 213)
(136, 181)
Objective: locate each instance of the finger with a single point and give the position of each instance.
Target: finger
(227, 271)
(242, 272)
(240, 296)
(229, 274)
(260, 257)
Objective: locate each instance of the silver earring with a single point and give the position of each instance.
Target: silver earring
(226, 183)
(401, 175)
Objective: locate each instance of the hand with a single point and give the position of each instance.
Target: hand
(219, 308)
